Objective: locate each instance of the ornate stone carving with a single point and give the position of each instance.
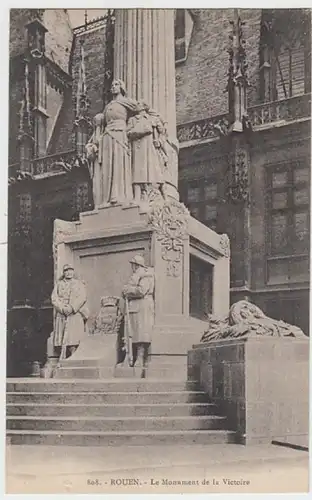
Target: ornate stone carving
(169, 218)
(108, 319)
(96, 23)
(238, 182)
(153, 194)
(36, 38)
(59, 162)
(225, 244)
(61, 229)
(16, 175)
(247, 320)
(209, 128)
(263, 115)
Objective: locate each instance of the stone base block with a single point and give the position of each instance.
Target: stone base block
(261, 384)
(100, 246)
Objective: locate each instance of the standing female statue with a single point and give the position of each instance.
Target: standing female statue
(108, 150)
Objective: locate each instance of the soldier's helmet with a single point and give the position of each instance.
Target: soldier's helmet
(138, 260)
(66, 267)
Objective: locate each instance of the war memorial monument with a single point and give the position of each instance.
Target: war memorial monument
(122, 277)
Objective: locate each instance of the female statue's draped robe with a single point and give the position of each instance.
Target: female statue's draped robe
(111, 172)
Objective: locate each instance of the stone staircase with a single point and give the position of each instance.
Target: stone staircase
(111, 412)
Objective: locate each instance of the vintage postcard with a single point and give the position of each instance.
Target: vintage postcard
(158, 251)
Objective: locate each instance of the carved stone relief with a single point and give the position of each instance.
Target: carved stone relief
(169, 218)
(247, 320)
(108, 319)
(225, 244)
(238, 182)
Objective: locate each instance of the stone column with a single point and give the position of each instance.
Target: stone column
(144, 59)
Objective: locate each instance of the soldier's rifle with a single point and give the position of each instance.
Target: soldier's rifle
(128, 334)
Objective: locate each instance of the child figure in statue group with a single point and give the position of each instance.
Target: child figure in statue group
(146, 133)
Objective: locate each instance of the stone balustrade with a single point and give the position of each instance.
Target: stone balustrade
(48, 165)
(265, 115)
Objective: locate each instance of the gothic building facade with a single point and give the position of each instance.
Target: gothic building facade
(243, 170)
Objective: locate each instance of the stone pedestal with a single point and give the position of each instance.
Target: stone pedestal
(100, 246)
(260, 383)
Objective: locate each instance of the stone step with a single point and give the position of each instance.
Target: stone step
(174, 362)
(120, 438)
(84, 372)
(98, 385)
(102, 372)
(109, 424)
(98, 397)
(111, 410)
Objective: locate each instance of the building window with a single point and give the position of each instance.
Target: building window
(201, 199)
(284, 73)
(288, 224)
(285, 55)
(288, 188)
(54, 105)
(183, 27)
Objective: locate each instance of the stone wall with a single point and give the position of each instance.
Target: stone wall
(18, 19)
(201, 80)
(94, 47)
(58, 39)
(15, 98)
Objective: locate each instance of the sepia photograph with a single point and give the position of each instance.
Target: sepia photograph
(158, 250)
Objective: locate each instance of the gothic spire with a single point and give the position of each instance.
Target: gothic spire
(82, 123)
(237, 76)
(82, 102)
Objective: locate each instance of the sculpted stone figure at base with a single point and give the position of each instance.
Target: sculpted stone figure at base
(69, 300)
(108, 150)
(107, 321)
(247, 320)
(139, 312)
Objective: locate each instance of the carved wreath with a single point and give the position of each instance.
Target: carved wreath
(170, 221)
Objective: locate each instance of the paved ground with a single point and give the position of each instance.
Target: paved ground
(157, 469)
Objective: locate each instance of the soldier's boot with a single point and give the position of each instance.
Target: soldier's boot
(72, 349)
(134, 354)
(145, 353)
(137, 193)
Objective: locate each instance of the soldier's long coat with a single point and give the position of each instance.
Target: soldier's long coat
(69, 330)
(140, 294)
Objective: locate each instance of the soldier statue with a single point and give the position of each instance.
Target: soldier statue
(139, 312)
(69, 300)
